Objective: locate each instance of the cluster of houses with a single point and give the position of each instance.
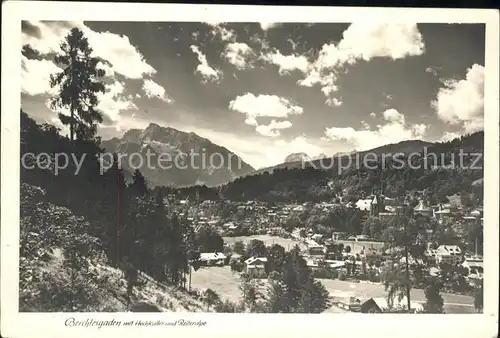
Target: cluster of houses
(263, 218)
(445, 213)
(254, 266)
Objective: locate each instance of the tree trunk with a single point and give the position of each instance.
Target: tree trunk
(73, 89)
(71, 128)
(72, 299)
(407, 277)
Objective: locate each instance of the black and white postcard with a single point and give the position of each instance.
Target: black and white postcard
(181, 170)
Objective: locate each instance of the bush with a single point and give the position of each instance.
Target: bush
(325, 273)
(160, 299)
(226, 307)
(342, 275)
(236, 265)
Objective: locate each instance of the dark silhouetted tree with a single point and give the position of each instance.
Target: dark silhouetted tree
(434, 301)
(78, 85)
(138, 187)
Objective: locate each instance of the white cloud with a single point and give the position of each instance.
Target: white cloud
(333, 102)
(292, 43)
(113, 101)
(255, 107)
(125, 58)
(362, 41)
(123, 124)
(108, 69)
(461, 102)
(154, 90)
(273, 128)
(117, 49)
(287, 63)
(264, 105)
(392, 115)
(119, 57)
(448, 136)
(271, 150)
(393, 131)
(218, 30)
(373, 115)
(64, 130)
(207, 73)
(431, 71)
(238, 54)
(36, 76)
(325, 80)
(280, 149)
(419, 129)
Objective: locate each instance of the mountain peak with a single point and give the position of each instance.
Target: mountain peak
(153, 125)
(167, 140)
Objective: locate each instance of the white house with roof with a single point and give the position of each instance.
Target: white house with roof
(450, 254)
(316, 250)
(431, 256)
(478, 212)
(298, 208)
(364, 204)
(423, 209)
(338, 235)
(212, 258)
(474, 216)
(316, 237)
(475, 267)
(256, 267)
(442, 214)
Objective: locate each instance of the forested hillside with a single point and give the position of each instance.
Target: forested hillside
(92, 243)
(314, 184)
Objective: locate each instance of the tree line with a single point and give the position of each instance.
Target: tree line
(135, 229)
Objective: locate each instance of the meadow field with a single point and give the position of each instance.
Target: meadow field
(226, 283)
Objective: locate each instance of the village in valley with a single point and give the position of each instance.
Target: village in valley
(351, 263)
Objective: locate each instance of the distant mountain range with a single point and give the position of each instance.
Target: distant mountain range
(300, 160)
(200, 165)
(291, 182)
(204, 168)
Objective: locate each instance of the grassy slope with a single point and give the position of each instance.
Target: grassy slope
(109, 295)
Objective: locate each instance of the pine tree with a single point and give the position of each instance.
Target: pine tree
(160, 240)
(276, 301)
(138, 187)
(116, 210)
(478, 297)
(177, 254)
(78, 86)
(210, 298)
(250, 291)
(434, 301)
(406, 239)
(314, 297)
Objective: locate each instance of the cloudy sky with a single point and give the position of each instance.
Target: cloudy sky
(267, 90)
